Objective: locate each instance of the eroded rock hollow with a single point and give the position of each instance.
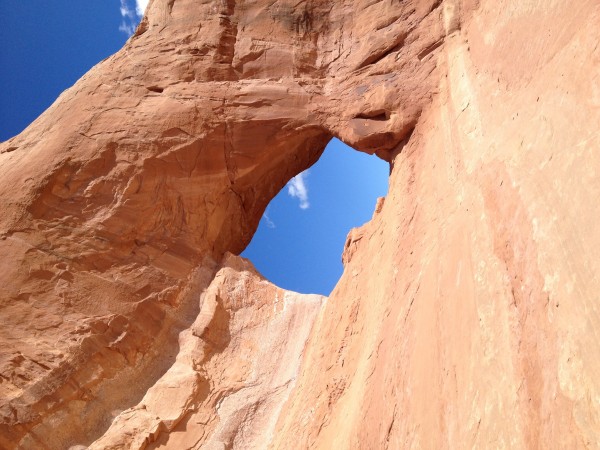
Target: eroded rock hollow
(468, 313)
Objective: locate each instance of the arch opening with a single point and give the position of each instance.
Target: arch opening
(300, 239)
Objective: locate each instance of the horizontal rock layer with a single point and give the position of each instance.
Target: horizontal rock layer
(467, 314)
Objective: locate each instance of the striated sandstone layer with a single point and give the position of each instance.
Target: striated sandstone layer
(468, 312)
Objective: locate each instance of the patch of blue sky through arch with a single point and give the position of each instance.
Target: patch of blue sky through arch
(300, 238)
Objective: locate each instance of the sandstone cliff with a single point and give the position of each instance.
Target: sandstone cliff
(468, 313)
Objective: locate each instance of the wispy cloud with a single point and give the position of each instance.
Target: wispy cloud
(268, 221)
(131, 13)
(140, 7)
(127, 28)
(297, 189)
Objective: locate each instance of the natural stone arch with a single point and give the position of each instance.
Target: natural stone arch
(474, 277)
(164, 156)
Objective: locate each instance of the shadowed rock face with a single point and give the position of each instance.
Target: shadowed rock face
(468, 309)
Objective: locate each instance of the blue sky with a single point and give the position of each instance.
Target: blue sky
(300, 238)
(47, 46)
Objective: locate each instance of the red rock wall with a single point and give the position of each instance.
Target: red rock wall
(467, 314)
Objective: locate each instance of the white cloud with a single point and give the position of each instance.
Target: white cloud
(268, 221)
(140, 7)
(297, 189)
(126, 10)
(126, 28)
(131, 12)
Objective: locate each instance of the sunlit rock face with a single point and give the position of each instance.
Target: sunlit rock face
(467, 315)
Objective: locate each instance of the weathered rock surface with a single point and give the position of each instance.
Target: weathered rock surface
(468, 312)
(467, 315)
(234, 370)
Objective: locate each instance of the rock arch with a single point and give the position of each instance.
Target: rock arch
(123, 198)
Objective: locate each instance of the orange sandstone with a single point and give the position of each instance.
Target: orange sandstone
(467, 315)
